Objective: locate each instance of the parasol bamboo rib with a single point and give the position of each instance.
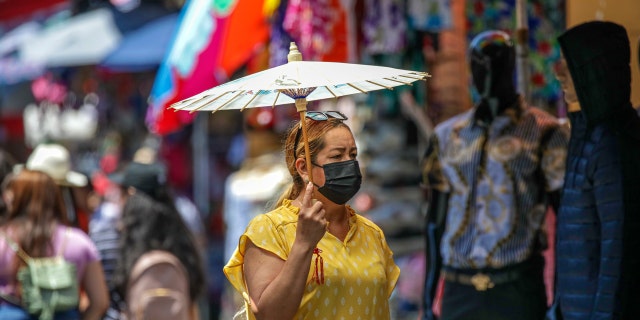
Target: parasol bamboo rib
(205, 104)
(276, 100)
(334, 95)
(396, 80)
(381, 85)
(176, 106)
(226, 103)
(252, 98)
(415, 78)
(353, 86)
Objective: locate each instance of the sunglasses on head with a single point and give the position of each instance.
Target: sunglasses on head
(317, 116)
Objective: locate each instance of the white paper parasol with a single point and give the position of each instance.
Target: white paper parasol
(298, 82)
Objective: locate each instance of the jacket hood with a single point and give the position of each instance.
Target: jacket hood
(598, 58)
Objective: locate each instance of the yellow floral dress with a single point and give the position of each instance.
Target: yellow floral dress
(359, 273)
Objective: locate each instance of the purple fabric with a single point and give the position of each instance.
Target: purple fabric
(79, 249)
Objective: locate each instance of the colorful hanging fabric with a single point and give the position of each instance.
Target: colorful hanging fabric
(211, 43)
(429, 15)
(280, 39)
(545, 21)
(320, 29)
(384, 26)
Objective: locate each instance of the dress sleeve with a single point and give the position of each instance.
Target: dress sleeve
(264, 234)
(391, 269)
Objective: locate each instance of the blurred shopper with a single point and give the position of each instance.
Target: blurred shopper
(105, 225)
(104, 231)
(598, 262)
(147, 155)
(260, 178)
(159, 272)
(313, 257)
(37, 224)
(55, 160)
(7, 162)
(492, 173)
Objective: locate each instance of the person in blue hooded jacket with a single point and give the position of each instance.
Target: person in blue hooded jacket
(598, 231)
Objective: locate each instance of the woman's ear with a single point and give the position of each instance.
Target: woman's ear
(301, 167)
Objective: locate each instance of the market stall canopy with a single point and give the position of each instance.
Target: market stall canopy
(12, 69)
(143, 48)
(84, 39)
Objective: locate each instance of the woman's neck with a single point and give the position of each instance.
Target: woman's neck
(338, 218)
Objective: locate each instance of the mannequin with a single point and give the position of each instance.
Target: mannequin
(492, 172)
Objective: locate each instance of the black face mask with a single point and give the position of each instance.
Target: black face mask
(342, 181)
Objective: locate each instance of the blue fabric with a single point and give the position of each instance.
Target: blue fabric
(11, 312)
(143, 48)
(590, 224)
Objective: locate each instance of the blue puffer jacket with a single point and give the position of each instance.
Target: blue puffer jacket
(590, 224)
(598, 232)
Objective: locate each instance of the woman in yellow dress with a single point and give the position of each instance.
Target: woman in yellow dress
(313, 257)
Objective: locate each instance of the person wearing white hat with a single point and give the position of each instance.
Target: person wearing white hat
(55, 160)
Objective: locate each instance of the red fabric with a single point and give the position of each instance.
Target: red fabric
(240, 45)
(12, 126)
(319, 28)
(549, 255)
(15, 9)
(437, 301)
(230, 46)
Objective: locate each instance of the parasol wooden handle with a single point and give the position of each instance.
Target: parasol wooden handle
(301, 106)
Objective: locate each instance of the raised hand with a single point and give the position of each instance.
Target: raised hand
(311, 219)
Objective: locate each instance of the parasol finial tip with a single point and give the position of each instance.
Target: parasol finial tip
(294, 53)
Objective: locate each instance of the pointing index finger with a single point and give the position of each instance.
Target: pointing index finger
(308, 194)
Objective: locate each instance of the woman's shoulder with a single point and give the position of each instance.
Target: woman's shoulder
(72, 235)
(367, 225)
(284, 214)
(76, 240)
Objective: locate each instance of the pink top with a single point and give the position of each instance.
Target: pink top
(78, 249)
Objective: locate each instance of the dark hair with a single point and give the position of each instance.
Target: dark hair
(35, 207)
(316, 131)
(6, 169)
(150, 225)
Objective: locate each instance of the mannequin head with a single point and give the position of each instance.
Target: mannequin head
(492, 62)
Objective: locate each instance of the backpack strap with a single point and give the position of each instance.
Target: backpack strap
(16, 248)
(24, 256)
(65, 236)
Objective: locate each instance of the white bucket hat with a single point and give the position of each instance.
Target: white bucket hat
(54, 160)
